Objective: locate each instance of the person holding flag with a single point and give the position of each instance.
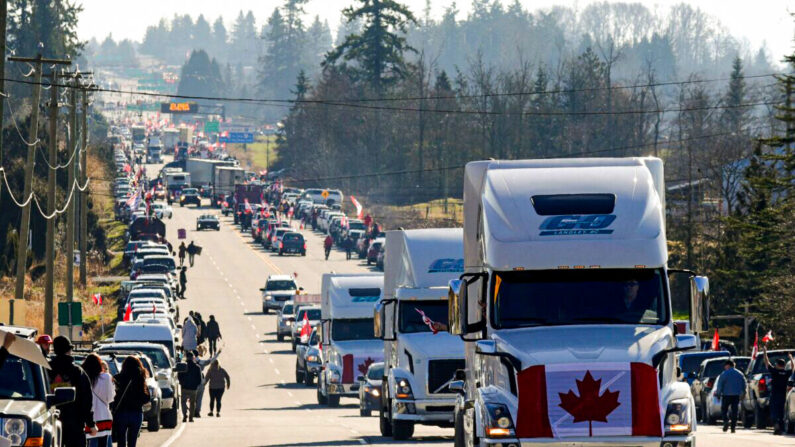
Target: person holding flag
(779, 379)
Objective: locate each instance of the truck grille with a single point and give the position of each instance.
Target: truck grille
(441, 372)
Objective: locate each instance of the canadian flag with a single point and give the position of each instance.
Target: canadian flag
(768, 337)
(97, 298)
(755, 351)
(306, 329)
(359, 208)
(128, 312)
(716, 341)
(427, 321)
(353, 366)
(576, 400)
(249, 210)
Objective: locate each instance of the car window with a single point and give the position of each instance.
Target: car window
(17, 380)
(376, 372)
(287, 309)
(314, 314)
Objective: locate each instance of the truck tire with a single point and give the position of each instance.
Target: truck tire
(760, 418)
(745, 418)
(364, 413)
(383, 423)
(280, 337)
(402, 430)
(458, 426)
(309, 379)
(333, 400)
(169, 418)
(321, 399)
(153, 423)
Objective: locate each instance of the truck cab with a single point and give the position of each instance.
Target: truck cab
(420, 358)
(565, 307)
(347, 340)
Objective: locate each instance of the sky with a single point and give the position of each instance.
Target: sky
(758, 21)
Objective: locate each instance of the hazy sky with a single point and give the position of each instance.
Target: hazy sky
(759, 21)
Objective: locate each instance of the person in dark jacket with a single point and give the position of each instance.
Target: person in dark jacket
(78, 416)
(192, 249)
(8, 340)
(779, 379)
(130, 398)
(189, 382)
(202, 328)
(183, 281)
(182, 250)
(213, 334)
(217, 377)
(731, 386)
(348, 244)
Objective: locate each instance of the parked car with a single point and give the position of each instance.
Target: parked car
(370, 389)
(705, 382)
(277, 290)
(689, 363)
(379, 260)
(208, 221)
(292, 242)
(789, 411)
(190, 195)
(755, 405)
(308, 359)
(285, 320)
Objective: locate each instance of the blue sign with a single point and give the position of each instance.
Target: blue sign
(238, 138)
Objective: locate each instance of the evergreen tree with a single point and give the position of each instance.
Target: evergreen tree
(380, 47)
(202, 35)
(219, 37)
(200, 76)
(319, 43)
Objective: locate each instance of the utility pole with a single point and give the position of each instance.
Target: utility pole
(24, 227)
(3, 21)
(70, 211)
(84, 194)
(49, 293)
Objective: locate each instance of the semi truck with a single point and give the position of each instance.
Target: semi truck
(202, 170)
(349, 346)
(226, 177)
(138, 134)
(185, 134)
(565, 307)
(170, 139)
(420, 358)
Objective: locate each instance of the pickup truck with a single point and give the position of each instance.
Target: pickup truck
(755, 405)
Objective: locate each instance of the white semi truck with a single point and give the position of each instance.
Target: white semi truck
(420, 358)
(565, 307)
(349, 346)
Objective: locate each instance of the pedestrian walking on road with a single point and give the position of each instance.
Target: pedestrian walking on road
(182, 250)
(779, 377)
(348, 247)
(213, 334)
(190, 334)
(327, 245)
(104, 392)
(131, 396)
(202, 328)
(183, 281)
(217, 377)
(731, 386)
(189, 382)
(191, 252)
(76, 417)
(202, 364)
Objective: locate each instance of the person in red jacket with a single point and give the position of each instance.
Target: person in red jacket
(327, 245)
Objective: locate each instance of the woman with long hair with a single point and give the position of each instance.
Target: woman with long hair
(131, 395)
(103, 393)
(217, 377)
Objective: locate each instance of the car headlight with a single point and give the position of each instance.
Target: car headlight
(288, 323)
(677, 417)
(312, 358)
(499, 423)
(373, 390)
(15, 430)
(403, 389)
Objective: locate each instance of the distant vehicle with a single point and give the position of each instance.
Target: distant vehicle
(29, 411)
(705, 380)
(370, 389)
(373, 250)
(285, 320)
(755, 405)
(208, 221)
(275, 236)
(162, 210)
(689, 363)
(789, 412)
(292, 242)
(190, 195)
(277, 290)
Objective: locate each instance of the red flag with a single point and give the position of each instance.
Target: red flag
(306, 330)
(154, 309)
(249, 210)
(768, 337)
(755, 351)
(359, 208)
(97, 298)
(716, 341)
(430, 323)
(128, 312)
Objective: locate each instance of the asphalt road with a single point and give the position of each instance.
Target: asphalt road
(265, 407)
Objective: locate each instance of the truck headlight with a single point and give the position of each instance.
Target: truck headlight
(15, 430)
(677, 417)
(288, 323)
(312, 358)
(403, 389)
(499, 423)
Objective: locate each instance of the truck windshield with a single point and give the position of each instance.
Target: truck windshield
(358, 329)
(594, 296)
(17, 380)
(410, 318)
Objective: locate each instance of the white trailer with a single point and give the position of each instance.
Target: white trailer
(349, 346)
(420, 360)
(565, 307)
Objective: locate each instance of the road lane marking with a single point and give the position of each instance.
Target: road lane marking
(253, 327)
(174, 436)
(290, 393)
(362, 441)
(249, 318)
(276, 370)
(270, 359)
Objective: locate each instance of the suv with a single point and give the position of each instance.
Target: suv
(755, 405)
(285, 320)
(292, 242)
(28, 412)
(277, 290)
(190, 195)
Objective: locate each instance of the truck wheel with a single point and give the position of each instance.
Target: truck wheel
(760, 418)
(789, 424)
(153, 423)
(309, 379)
(364, 413)
(458, 424)
(265, 309)
(402, 430)
(321, 399)
(169, 419)
(383, 423)
(745, 418)
(333, 400)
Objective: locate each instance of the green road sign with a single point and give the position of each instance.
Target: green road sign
(76, 311)
(211, 127)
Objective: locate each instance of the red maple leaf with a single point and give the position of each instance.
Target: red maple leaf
(364, 366)
(589, 406)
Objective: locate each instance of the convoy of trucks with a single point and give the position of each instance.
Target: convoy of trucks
(202, 170)
(565, 310)
(170, 139)
(349, 346)
(419, 360)
(138, 134)
(226, 177)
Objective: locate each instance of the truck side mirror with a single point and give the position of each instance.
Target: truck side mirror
(690, 295)
(378, 320)
(360, 379)
(459, 303)
(457, 386)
